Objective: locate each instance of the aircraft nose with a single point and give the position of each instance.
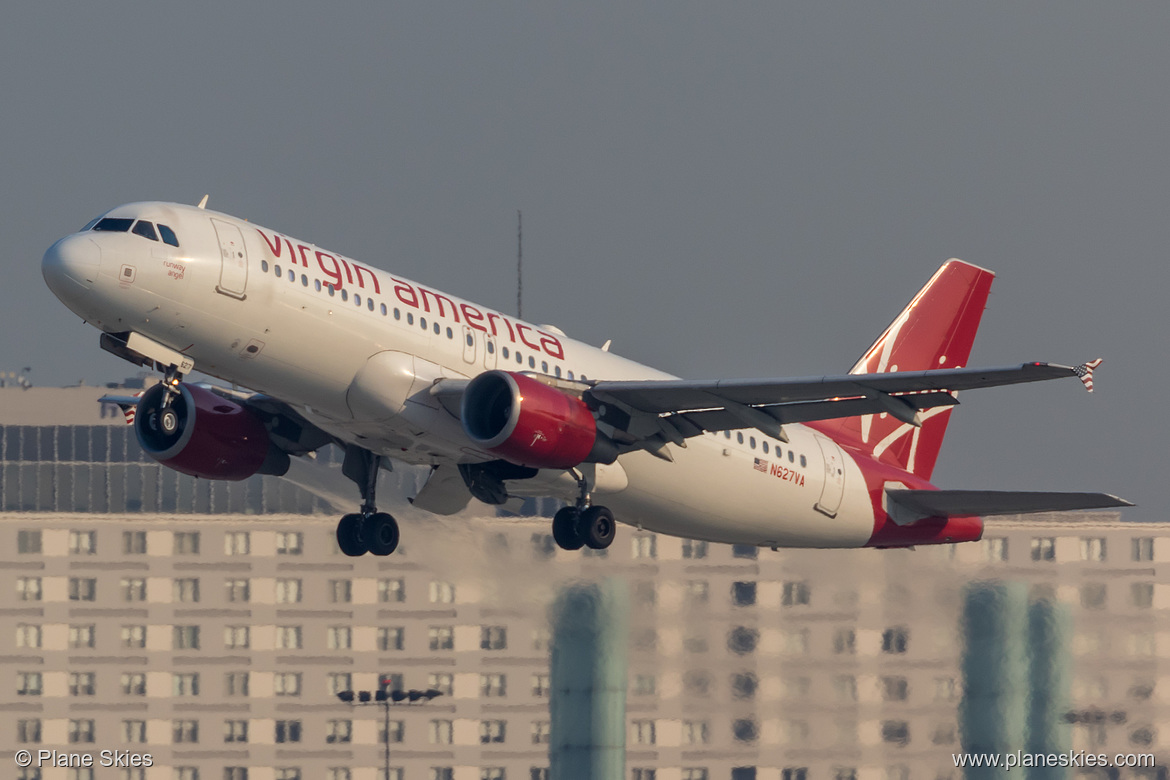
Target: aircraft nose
(72, 261)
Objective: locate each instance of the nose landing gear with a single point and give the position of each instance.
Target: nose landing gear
(370, 531)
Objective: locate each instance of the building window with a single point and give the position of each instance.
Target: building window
(995, 549)
(794, 773)
(896, 732)
(742, 640)
(28, 589)
(28, 731)
(645, 685)
(944, 688)
(491, 731)
(133, 589)
(340, 591)
(795, 594)
(340, 681)
(133, 684)
(134, 637)
(81, 683)
(288, 731)
(187, 590)
(235, 684)
(28, 684)
(288, 591)
(844, 641)
(229, 773)
(645, 546)
(1043, 548)
(439, 772)
(134, 542)
(745, 551)
(397, 733)
(290, 543)
(697, 683)
(440, 732)
(235, 731)
(82, 542)
(694, 549)
(186, 543)
(743, 685)
(81, 731)
(895, 640)
(238, 591)
(541, 732)
(1142, 594)
(441, 682)
(643, 773)
(237, 543)
(493, 638)
(28, 635)
(1093, 548)
(493, 685)
(745, 730)
(391, 638)
(895, 689)
(1093, 595)
(697, 592)
(845, 687)
(28, 542)
(338, 731)
(236, 637)
(441, 637)
(340, 638)
(645, 732)
(134, 731)
(1143, 549)
(695, 773)
(696, 732)
(185, 731)
(540, 685)
(540, 638)
(186, 684)
(743, 594)
(391, 590)
(82, 589)
(286, 684)
(186, 637)
(441, 592)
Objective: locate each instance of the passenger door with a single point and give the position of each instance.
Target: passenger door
(233, 258)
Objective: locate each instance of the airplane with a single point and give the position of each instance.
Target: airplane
(337, 351)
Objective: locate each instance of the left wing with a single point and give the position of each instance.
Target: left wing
(654, 412)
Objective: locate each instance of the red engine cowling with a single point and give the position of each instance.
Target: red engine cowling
(213, 437)
(527, 422)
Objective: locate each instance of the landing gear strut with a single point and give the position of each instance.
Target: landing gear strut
(583, 525)
(370, 531)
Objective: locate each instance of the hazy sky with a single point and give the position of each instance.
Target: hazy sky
(725, 190)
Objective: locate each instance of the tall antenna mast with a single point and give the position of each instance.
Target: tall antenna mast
(519, 264)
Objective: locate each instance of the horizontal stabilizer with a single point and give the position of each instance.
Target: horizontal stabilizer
(952, 503)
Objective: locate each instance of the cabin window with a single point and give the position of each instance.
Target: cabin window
(292, 275)
(423, 322)
(113, 225)
(317, 285)
(791, 456)
(450, 333)
(409, 318)
(344, 294)
(470, 340)
(531, 362)
(357, 300)
(803, 462)
(168, 235)
(332, 289)
(558, 370)
(492, 348)
(519, 358)
(397, 314)
(370, 304)
(739, 436)
(304, 280)
(437, 328)
(383, 310)
(570, 374)
(544, 366)
(264, 266)
(278, 271)
(752, 442)
(764, 447)
(144, 229)
(505, 353)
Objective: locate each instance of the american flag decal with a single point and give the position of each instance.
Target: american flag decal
(761, 466)
(1085, 372)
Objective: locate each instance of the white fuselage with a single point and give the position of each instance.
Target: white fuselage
(356, 349)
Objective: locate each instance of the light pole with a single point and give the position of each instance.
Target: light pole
(386, 698)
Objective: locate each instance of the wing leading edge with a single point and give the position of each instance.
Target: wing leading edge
(960, 503)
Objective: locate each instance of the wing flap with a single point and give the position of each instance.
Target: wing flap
(956, 503)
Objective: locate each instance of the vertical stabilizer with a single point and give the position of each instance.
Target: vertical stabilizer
(936, 330)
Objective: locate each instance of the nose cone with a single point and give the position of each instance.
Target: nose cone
(71, 265)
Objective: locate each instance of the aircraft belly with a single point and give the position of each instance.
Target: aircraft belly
(706, 494)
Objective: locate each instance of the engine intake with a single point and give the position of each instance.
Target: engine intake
(531, 424)
(209, 436)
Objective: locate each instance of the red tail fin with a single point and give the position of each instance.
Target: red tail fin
(936, 330)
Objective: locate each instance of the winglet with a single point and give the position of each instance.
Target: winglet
(1085, 372)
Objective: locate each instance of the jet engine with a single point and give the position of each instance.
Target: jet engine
(205, 435)
(526, 422)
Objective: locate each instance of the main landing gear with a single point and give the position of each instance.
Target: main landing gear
(370, 531)
(583, 525)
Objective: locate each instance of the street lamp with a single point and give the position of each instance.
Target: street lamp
(386, 698)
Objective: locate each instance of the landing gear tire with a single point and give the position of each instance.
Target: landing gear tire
(349, 536)
(564, 528)
(596, 527)
(168, 421)
(380, 531)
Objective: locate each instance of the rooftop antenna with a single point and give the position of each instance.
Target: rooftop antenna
(519, 265)
(203, 203)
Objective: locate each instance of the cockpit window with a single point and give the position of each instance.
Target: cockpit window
(89, 225)
(113, 225)
(168, 235)
(144, 229)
